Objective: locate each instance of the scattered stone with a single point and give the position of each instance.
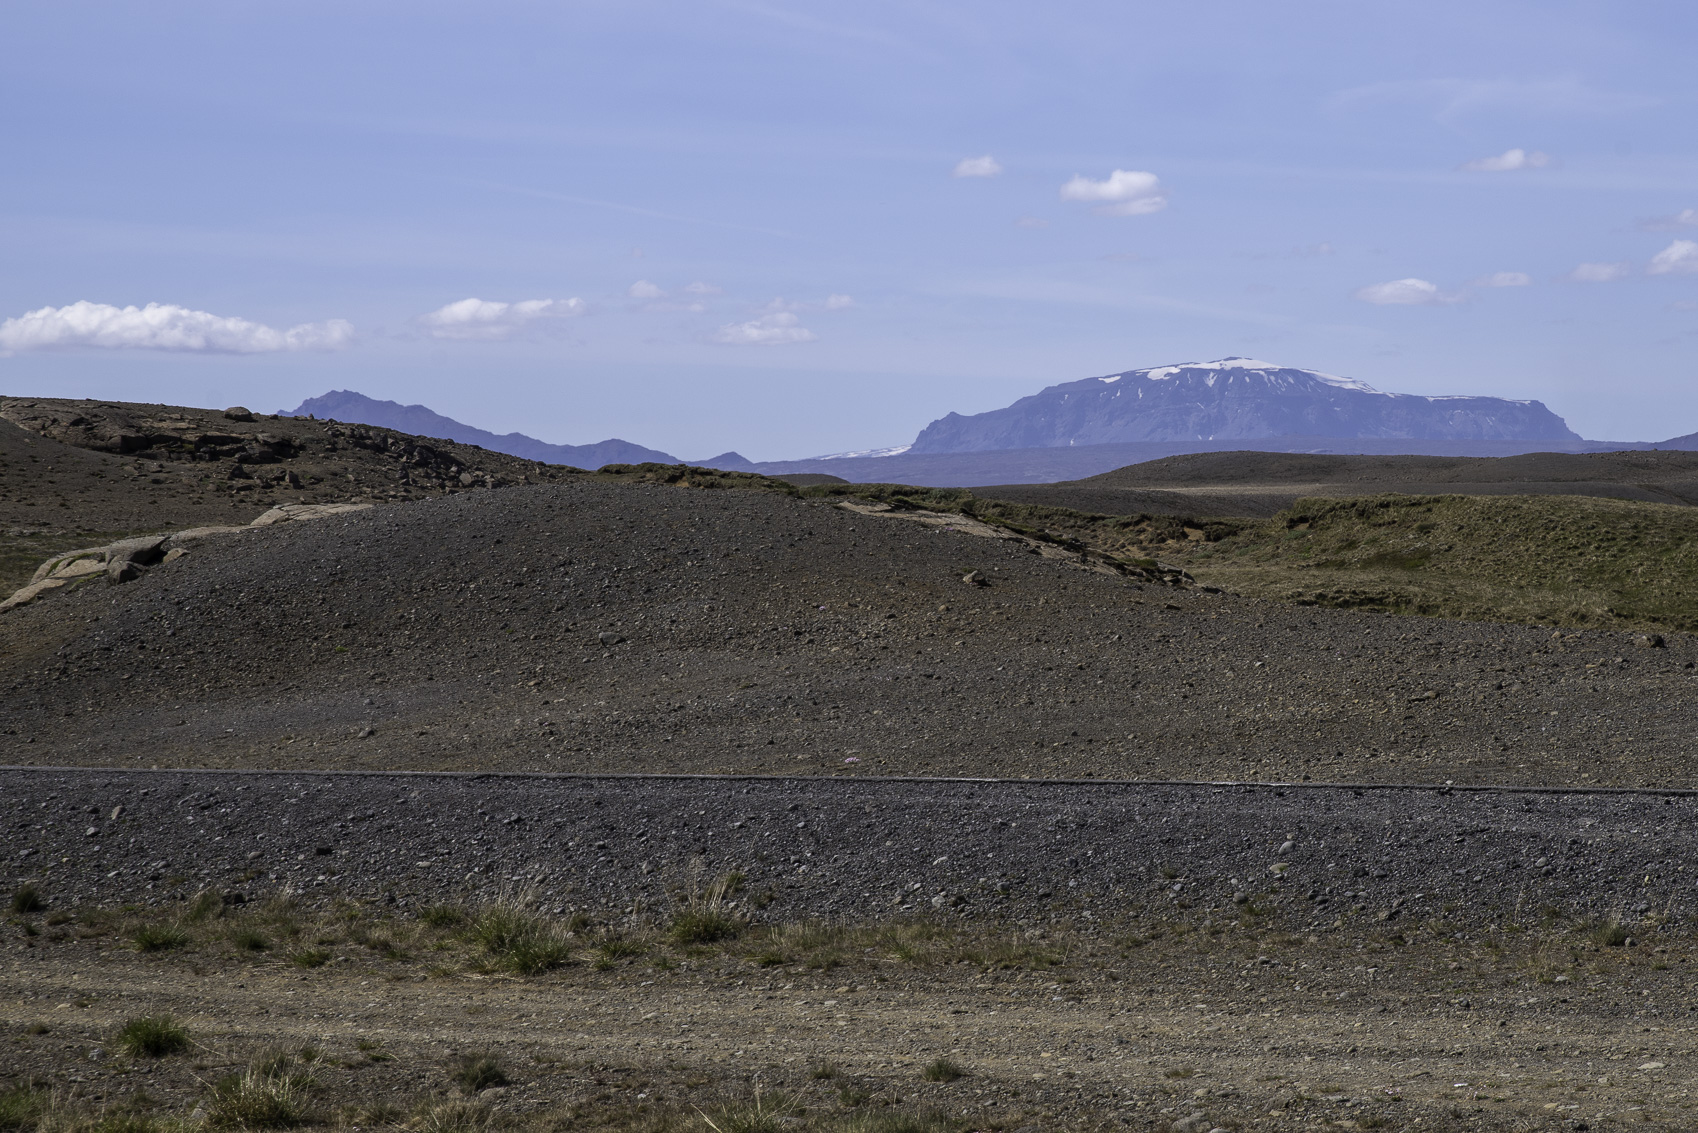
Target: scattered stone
(238, 413)
(975, 578)
(608, 637)
(1649, 641)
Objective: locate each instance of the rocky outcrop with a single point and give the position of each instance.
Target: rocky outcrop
(248, 455)
(128, 559)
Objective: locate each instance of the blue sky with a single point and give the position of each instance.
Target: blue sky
(771, 226)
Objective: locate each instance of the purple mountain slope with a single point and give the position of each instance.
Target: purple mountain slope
(1232, 399)
(346, 405)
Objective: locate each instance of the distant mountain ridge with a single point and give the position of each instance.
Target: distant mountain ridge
(357, 408)
(1232, 399)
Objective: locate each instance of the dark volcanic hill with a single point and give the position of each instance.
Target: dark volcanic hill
(346, 405)
(1234, 398)
(595, 625)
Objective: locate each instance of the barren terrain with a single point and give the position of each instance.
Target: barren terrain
(1152, 957)
(742, 801)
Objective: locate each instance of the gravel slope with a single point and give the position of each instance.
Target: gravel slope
(855, 848)
(755, 632)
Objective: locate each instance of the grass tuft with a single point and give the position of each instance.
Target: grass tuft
(260, 1098)
(454, 1117)
(765, 1113)
(249, 940)
(1611, 935)
(942, 1070)
(444, 916)
(26, 898)
(152, 1036)
(21, 1107)
(704, 926)
(158, 937)
(309, 958)
(519, 941)
(478, 1072)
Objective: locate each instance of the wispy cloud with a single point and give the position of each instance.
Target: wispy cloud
(1455, 98)
(700, 288)
(838, 302)
(1405, 293)
(1503, 279)
(1125, 192)
(162, 326)
(1685, 218)
(1680, 257)
(643, 289)
(1600, 272)
(985, 166)
(1509, 161)
(487, 319)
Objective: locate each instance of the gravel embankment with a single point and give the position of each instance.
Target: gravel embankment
(852, 847)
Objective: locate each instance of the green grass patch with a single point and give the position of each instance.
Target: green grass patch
(152, 1036)
(157, 937)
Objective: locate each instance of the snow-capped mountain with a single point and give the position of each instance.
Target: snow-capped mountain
(1231, 399)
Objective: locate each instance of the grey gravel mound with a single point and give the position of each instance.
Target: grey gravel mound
(755, 632)
(833, 848)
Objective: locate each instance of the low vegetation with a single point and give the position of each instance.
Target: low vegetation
(152, 1036)
(261, 1097)
(1546, 560)
(478, 1072)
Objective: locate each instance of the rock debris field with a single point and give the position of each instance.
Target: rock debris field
(615, 845)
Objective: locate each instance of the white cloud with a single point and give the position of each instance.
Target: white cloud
(985, 166)
(700, 288)
(1404, 293)
(487, 319)
(1031, 222)
(1600, 273)
(1503, 279)
(838, 302)
(1125, 192)
(1509, 161)
(775, 328)
(162, 326)
(643, 289)
(1680, 256)
(1684, 305)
